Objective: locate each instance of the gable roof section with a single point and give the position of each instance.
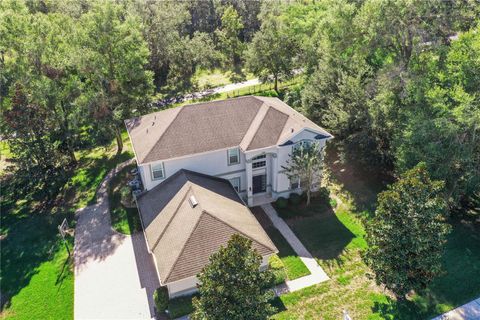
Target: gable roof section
(182, 238)
(246, 122)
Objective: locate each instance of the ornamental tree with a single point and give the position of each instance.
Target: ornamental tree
(408, 232)
(305, 164)
(232, 285)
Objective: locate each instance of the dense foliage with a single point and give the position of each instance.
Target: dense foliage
(396, 82)
(407, 234)
(232, 285)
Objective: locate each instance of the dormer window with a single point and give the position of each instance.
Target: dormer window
(233, 156)
(158, 171)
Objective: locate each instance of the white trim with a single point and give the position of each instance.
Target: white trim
(298, 132)
(238, 156)
(164, 175)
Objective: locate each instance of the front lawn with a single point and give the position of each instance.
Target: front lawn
(36, 274)
(293, 265)
(337, 241)
(125, 219)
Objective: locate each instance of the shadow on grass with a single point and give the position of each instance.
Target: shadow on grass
(29, 223)
(458, 285)
(319, 229)
(362, 185)
(277, 303)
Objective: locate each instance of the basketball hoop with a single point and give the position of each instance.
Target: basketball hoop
(62, 228)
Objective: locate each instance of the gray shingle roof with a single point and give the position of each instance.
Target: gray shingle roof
(246, 122)
(182, 238)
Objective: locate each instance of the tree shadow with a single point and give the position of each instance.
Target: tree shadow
(319, 229)
(362, 185)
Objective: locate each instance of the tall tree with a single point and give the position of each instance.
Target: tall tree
(229, 40)
(272, 51)
(305, 165)
(115, 62)
(408, 232)
(27, 128)
(232, 285)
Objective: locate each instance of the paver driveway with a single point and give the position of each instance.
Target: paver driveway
(114, 275)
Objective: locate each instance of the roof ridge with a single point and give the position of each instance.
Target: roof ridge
(163, 133)
(184, 245)
(254, 126)
(172, 217)
(239, 231)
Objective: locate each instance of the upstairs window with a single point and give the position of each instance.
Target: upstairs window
(235, 183)
(233, 156)
(259, 161)
(157, 171)
(302, 144)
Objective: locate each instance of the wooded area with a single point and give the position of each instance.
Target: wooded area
(396, 82)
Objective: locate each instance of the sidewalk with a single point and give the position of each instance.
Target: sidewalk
(469, 311)
(317, 274)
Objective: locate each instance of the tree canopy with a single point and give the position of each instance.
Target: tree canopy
(232, 285)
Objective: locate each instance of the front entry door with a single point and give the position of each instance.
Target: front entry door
(259, 183)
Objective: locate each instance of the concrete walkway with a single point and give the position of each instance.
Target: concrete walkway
(114, 275)
(469, 311)
(317, 274)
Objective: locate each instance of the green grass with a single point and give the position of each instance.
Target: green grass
(181, 306)
(124, 219)
(36, 276)
(294, 266)
(206, 79)
(337, 241)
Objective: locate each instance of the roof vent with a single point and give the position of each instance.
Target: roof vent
(292, 130)
(193, 201)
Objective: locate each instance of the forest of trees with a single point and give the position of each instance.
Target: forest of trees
(396, 82)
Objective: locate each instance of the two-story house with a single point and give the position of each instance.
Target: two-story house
(187, 155)
(246, 140)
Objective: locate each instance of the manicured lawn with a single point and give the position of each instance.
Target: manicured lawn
(124, 219)
(36, 276)
(337, 241)
(293, 265)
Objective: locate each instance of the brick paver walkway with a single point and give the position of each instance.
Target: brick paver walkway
(114, 275)
(317, 274)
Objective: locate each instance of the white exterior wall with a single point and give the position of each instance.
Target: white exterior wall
(189, 285)
(212, 163)
(215, 163)
(182, 287)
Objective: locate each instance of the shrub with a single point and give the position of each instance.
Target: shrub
(324, 194)
(160, 296)
(295, 199)
(281, 203)
(278, 269)
(333, 203)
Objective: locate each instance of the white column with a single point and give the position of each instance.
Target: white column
(273, 171)
(248, 167)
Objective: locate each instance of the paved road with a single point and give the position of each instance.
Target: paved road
(114, 274)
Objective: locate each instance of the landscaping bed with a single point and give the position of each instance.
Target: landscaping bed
(123, 210)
